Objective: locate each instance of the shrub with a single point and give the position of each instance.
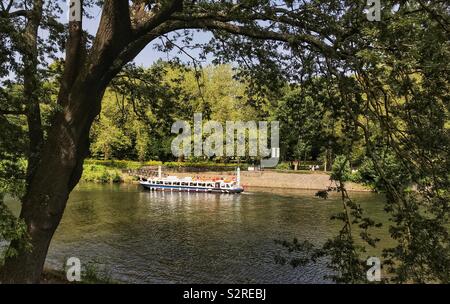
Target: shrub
(100, 174)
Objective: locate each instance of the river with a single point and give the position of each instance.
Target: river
(137, 236)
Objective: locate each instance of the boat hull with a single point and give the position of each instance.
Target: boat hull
(152, 187)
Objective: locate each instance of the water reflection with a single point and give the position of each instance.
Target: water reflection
(163, 237)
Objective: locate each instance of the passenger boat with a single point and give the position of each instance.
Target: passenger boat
(190, 184)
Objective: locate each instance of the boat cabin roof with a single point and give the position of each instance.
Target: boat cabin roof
(189, 179)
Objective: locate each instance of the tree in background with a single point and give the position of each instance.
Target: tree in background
(141, 105)
(392, 96)
(304, 124)
(385, 83)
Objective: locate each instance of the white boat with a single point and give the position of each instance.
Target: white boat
(190, 184)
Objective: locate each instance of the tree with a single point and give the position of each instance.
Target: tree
(391, 98)
(304, 121)
(109, 138)
(12, 171)
(125, 29)
(278, 43)
(145, 103)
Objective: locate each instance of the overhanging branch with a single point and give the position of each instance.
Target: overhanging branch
(19, 13)
(143, 21)
(259, 33)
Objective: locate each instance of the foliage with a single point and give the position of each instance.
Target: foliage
(392, 98)
(11, 229)
(100, 174)
(12, 182)
(341, 170)
(92, 274)
(109, 138)
(118, 164)
(142, 104)
(344, 253)
(375, 92)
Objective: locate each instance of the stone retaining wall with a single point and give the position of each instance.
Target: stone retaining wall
(270, 179)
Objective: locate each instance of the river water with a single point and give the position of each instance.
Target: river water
(137, 236)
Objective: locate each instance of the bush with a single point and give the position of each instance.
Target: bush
(100, 174)
(117, 164)
(366, 174)
(126, 164)
(201, 164)
(341, 170)
(92, 274)
(283, 166)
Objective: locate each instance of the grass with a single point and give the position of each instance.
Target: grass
(115, 164)
(91, 274)
(111, 171)
(101, 174)
(298, 171)
(128, 164)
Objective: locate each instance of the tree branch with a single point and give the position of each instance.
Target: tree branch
(144, 21)
(179, 22)
(19, 13)
(74, 53)
(113, 35)
(258, 33)
(436, 16)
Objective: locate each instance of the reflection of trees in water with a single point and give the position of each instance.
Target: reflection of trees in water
(145, 236)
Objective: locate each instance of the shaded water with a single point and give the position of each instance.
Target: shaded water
(161, 237)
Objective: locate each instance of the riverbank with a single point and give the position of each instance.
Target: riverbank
(304, 180)
(52, 276)
(91, 275)
(274, 179)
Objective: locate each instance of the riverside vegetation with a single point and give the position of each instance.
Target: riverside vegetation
(349, 93)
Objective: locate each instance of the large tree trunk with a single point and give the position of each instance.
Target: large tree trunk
(60, 164)
(61, 161)
(55, 177)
